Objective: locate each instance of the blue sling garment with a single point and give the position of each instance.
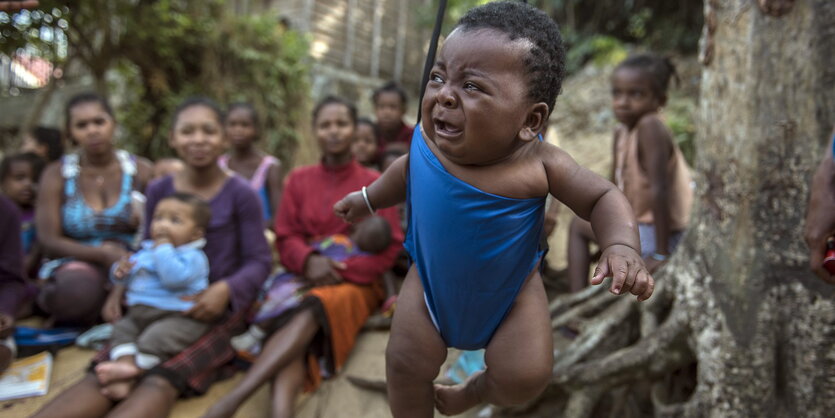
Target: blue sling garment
(473, 250)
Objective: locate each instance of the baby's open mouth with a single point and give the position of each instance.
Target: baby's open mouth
(446, 128)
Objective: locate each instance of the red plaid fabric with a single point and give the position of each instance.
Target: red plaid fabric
(195, 369)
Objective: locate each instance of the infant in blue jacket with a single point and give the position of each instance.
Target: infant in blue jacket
(157, 283)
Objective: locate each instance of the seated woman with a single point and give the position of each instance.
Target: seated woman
(314, 339)
(84, 213)
(239, 261)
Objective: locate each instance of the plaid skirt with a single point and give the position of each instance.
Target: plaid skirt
(206, 361)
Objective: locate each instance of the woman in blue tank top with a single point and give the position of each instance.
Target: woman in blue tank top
(87, 215)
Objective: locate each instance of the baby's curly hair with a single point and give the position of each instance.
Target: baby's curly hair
(545, 62)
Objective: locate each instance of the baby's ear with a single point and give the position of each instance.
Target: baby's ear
(535, 122)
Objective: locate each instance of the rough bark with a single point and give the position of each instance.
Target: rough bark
(762, 326)
(737, 297)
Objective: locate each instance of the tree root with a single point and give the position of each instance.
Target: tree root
(588, 341)
(564, 302)
(654, 355)
(694, 407)
(592, 305)
(653, 309)
(581, 403)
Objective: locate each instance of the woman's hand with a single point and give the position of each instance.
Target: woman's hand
(321, 271)
(211, 303)
(352, 207)
(111, 253)
(629, 274)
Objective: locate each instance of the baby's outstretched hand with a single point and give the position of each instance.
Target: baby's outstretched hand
(123, 268)
(629, 274)
(351, 208)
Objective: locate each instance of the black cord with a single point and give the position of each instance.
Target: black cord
(430, 56)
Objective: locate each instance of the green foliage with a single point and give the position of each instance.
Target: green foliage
(41, 31)
(158, 52)
(679, 114)
(601, 50)
(454, 11)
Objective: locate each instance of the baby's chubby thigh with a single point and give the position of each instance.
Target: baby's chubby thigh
(415, 349)
(520, 356)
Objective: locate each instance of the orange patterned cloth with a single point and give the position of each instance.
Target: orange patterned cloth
(346, 306)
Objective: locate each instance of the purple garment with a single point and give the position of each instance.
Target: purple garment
(285, 291)
(235, 243)
(12, 284)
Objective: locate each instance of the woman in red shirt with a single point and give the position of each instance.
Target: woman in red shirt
(313, 341)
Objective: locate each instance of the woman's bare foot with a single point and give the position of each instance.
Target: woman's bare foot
(118, 390)
(224, 408)
(113, 371)
(454, 400)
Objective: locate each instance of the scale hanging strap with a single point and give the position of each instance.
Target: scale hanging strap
(430, 56)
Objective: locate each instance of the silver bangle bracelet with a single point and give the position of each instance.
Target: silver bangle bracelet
(367, 202)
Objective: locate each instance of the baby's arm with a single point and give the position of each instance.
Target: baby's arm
(600, 202)
(386, 191)
(179, 269)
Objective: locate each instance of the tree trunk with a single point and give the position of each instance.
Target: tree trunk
(737, 298)
(762, 327)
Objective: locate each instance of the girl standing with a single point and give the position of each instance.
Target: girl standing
(263, 171)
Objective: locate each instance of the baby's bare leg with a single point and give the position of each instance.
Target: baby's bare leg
(414, 354)
(519, 357)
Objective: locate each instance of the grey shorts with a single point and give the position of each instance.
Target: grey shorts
(647, 233)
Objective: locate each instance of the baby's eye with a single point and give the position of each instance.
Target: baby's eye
(435, 77)
(471, 86)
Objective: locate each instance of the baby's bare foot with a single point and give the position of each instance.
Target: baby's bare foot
(112, 371)
(119, 390)
(454, 400)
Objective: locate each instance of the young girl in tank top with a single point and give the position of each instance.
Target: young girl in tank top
(261, 169)
(648, 166)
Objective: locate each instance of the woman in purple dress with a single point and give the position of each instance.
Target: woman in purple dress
(239, 261)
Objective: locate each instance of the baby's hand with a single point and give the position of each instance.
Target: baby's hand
(123, 268)
(161, 240)
(351, 208)
(627, 268)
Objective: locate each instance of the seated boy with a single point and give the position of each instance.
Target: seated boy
(157, 283)
(283, 292)
(476, 179)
